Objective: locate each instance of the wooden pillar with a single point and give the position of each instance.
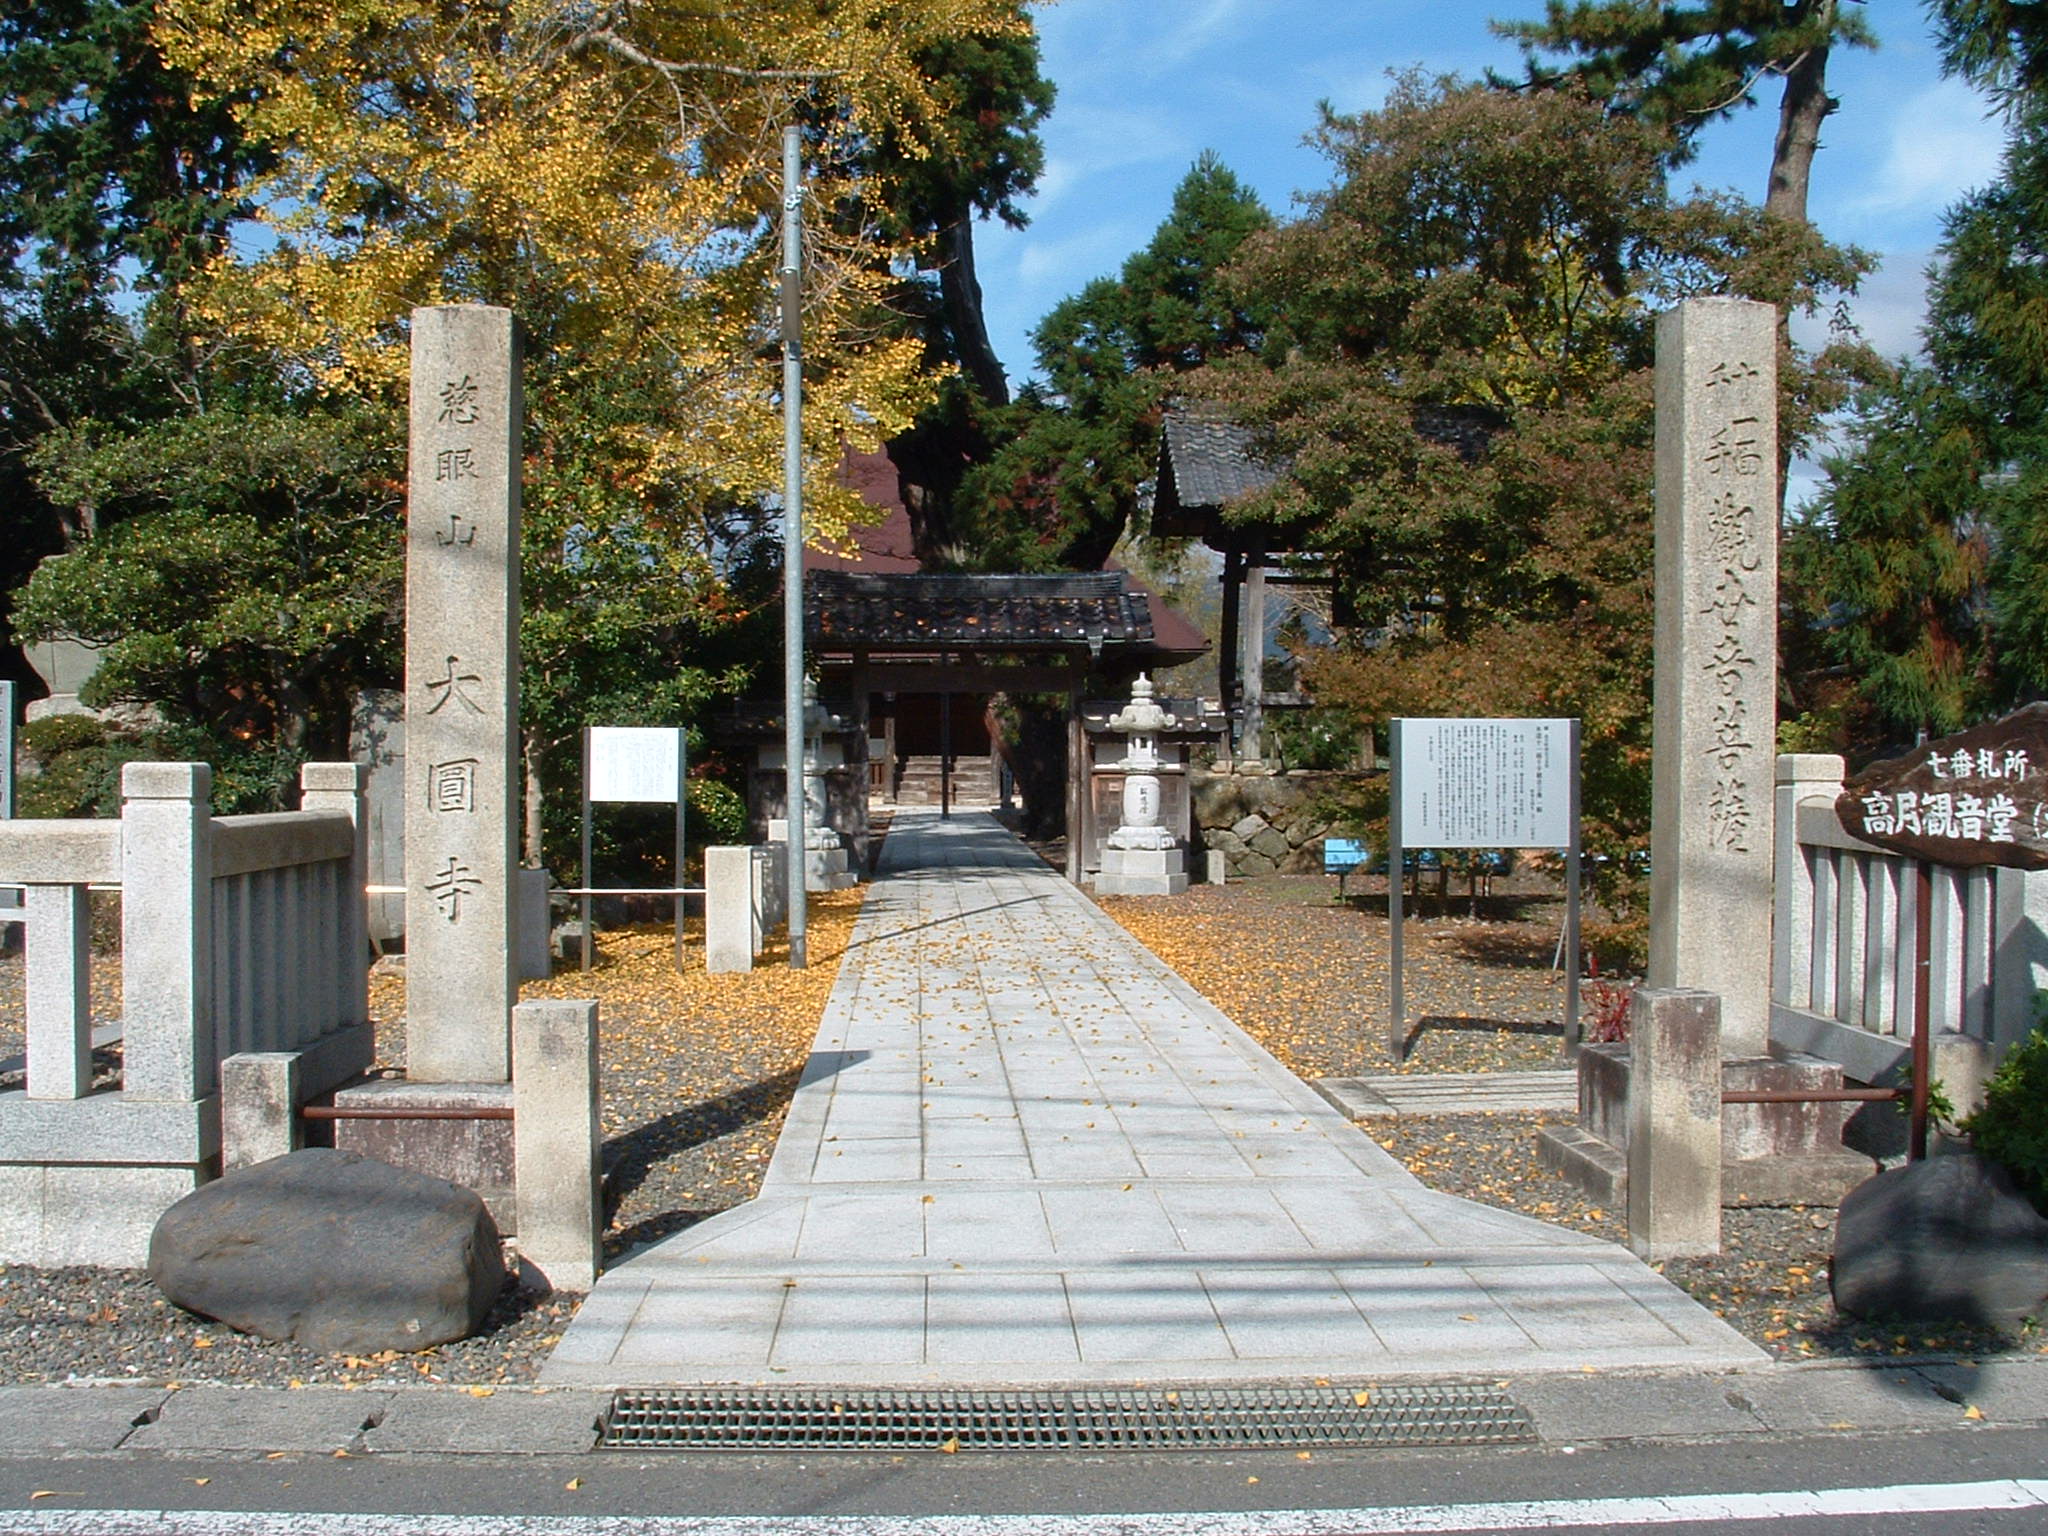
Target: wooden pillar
(1227, 652)
(1254, 654)
(889, 747)
(1077, 773)
(863, 774)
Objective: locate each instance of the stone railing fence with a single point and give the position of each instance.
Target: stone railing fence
(238, 934)
(1843, 945)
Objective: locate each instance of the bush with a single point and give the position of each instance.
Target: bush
(1316, 738)
(2012, 1127)
(73, 766)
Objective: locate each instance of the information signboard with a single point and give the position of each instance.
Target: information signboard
(1463, 783)
(635, 764)
(1485, 783)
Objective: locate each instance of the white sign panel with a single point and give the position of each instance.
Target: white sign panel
(632, 763)
(1485, 783)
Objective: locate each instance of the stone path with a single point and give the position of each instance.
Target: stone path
(1025, 1152)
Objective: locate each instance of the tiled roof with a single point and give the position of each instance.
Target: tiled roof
(1210, 460)
(893, 612)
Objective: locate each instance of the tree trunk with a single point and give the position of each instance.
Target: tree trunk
(1804, 107)
(534, 805)
(961, 291)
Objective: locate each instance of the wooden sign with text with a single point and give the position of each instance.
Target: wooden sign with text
(1977, 797)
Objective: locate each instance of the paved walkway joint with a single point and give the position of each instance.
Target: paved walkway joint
(1024, 1152)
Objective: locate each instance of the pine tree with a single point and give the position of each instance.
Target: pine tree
(1681, 66)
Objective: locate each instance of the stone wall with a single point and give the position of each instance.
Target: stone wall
(1262, 821)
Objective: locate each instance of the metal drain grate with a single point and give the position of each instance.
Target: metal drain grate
(1207, 1418)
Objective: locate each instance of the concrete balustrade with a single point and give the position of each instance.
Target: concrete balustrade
(239, 936)
(1843, 945)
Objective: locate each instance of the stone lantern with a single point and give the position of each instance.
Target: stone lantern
(1141, 857)
(825, 863)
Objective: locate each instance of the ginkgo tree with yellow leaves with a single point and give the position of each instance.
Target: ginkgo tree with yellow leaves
(611, 174)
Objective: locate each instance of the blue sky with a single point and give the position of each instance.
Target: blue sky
(1146, 85)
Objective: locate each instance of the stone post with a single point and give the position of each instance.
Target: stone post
(259, 1107)
(339, 787)
(1674, 1118)
(167, 931)
(561, 1212)
(1801, 777)
(59, 992)
(729, 915)
(462, 694)
(1715, 714)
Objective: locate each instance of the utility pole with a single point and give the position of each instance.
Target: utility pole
(793, 533)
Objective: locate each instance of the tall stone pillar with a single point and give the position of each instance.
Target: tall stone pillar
(1715, 716)
(462, 694)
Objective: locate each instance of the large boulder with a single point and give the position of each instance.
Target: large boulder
(1950, 1238)
(336, 1251)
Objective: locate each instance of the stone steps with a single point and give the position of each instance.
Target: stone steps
(1452, 1093)
(918, 782)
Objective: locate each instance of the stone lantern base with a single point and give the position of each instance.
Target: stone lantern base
(1142, 872)
(827, 869)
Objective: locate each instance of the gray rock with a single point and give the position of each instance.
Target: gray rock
(336, 1251)
(1253, 864)
(1271, 843)
(1949, 1238)
(1248, 827)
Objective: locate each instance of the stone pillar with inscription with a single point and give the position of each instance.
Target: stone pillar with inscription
(1715, 716)
(462, 694)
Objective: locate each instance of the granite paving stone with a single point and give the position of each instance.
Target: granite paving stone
(1027, 1152)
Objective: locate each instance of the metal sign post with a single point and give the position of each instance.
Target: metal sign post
(1480, 784)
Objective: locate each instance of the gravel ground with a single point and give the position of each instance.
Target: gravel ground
(1307, 977)
(699, 1070)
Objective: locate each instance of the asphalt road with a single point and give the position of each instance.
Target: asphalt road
(1898, 1483)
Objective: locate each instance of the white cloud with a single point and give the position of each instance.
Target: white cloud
(1942, 145)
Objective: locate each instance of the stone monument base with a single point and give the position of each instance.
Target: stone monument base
(1142, 872)
(825, 869)
(471, 1152)
(1771, 1154)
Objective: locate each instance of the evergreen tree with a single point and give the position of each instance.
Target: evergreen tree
(1457, 373)
(1924, 565)
(1681, 66)
(1068, 481)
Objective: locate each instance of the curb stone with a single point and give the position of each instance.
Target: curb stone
(1807, 1398)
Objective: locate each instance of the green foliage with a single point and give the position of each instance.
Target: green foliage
(1319, 738)
(719, 812)
(249, 581)
(2001, 45)
(1681, 66)
(73, 766)
(1456, 370)
(1064, 481)
(1890, 564)
(2012, 1127)
(1923, 569)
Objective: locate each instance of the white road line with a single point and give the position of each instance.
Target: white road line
(1686, 1509)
